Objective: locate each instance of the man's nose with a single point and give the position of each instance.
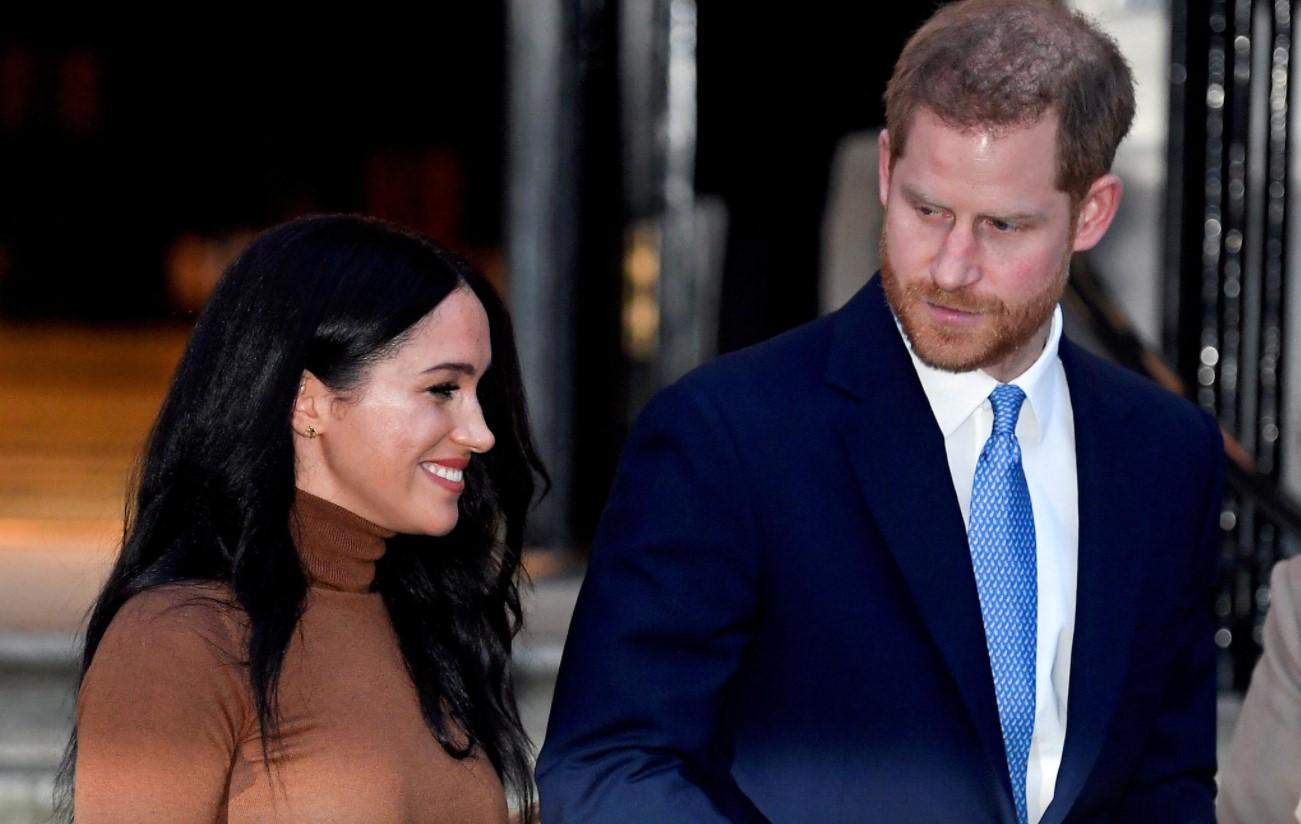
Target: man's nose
(955, 264)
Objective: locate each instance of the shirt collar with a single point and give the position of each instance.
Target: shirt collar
(954, 396)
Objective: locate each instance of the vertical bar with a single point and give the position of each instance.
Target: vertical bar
(1200, 230)
(1212, 215)
(542, 236)
(683, 340)
(1271, 332)
(1233, 216)
(1232, 367)
(1230, 85)
(1179, 136)
(1276, 214)
(601, 373)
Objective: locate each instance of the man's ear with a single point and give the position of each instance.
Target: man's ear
(883, 164)
(1096, 211)
(310, 406)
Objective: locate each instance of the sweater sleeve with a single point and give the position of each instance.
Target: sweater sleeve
(161, 711)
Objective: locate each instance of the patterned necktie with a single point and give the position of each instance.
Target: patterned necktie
(1002, 542)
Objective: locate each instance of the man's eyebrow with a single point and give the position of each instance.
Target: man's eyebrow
(917, 196)
(1018, 217)
(464, 368)
(913, 195)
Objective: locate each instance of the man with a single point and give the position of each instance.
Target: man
(923, 559)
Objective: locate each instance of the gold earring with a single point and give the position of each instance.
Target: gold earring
(311, 432)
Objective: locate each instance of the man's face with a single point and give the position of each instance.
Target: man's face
(976, 242)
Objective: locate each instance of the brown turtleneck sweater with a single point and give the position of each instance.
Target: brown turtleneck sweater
(167, 731)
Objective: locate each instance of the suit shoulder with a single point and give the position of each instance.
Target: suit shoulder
(742, 395)
(1169, 416)
(796, 355)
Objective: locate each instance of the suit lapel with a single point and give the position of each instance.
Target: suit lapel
(1110, 515)
(898, 456)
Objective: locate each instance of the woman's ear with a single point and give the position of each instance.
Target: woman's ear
(309, 419)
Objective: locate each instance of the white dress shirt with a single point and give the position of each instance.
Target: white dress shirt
(1046, 432)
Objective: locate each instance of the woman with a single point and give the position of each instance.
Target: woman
(1260, 781)
(312, 613)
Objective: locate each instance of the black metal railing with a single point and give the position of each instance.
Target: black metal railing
(1225, 277)
(1254, 504)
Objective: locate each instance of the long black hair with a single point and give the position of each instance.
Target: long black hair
(331, 295)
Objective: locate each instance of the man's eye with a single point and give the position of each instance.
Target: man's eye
(1002, 225)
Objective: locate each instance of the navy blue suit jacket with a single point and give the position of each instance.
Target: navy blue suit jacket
(780, 619)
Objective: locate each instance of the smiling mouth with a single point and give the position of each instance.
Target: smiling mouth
(456, 476)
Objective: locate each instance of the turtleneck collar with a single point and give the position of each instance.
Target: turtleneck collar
(338, 548)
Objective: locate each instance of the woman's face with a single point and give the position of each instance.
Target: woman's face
(394, 448)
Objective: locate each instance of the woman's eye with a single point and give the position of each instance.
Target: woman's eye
(442, 390)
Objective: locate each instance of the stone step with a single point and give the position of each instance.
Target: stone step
(25, 797)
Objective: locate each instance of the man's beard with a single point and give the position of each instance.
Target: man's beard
(1003, 330)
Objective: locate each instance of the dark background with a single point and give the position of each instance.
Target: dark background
(121, 150)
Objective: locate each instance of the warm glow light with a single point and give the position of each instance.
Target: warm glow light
(641, 277)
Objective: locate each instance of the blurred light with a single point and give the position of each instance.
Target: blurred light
(1262, 597)
(643, 264)
(641, 278)
(195, 264)
(1223, 605)
(17, 86)
(80, 92)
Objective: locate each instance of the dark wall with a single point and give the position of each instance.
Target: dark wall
(777, 93)
(112, 144)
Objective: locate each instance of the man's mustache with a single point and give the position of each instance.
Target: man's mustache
(961, 300)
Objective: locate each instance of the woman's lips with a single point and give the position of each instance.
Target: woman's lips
(448, 473)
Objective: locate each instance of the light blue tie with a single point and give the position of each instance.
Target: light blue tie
(1002, 542)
